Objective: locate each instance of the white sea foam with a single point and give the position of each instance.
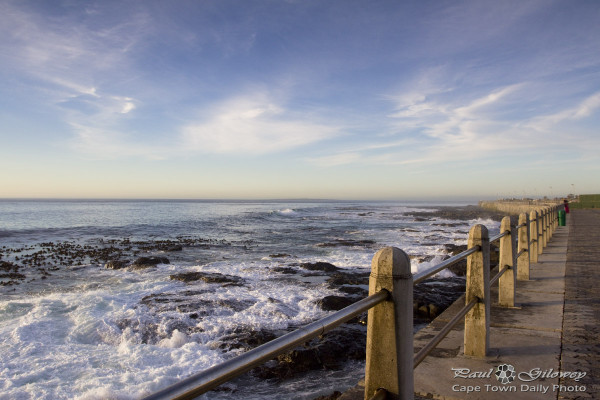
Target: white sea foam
(287, 212)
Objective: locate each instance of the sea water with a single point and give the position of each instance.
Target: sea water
(87, 332)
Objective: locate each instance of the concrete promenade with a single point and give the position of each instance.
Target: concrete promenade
(554, 328)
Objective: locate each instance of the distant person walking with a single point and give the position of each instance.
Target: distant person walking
(566, 204)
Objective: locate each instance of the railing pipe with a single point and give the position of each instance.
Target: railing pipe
(503, 233)
(498, 275)
(421, 276)
(420, 356)
(202, 382)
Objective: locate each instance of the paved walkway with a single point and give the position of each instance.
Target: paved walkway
(554, 329)
(581, 323)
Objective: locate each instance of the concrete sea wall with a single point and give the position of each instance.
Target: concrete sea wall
(515, 207)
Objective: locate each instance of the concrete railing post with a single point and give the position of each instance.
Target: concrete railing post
(524, 246)
(389, 360)
(549, 226)
(507, 258)
(533, 236)
(477, 321)
(541, 244)
(545, 228)
(550, 222)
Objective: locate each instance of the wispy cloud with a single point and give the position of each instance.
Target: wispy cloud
(73, 66)
(438, 127)
(584, 109)
(252, 125)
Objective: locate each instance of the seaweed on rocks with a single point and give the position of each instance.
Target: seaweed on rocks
(8, 267)
(110, 253)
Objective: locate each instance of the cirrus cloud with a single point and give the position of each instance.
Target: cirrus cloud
(253, 125)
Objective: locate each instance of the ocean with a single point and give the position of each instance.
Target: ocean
(70, 328)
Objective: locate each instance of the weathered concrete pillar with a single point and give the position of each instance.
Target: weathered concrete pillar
(550, 222)
(508, 281)
(533, 236)
(541, 243)
(546, 227)
(477, 321)
(390, 327)
(549, 225)
(525, 247)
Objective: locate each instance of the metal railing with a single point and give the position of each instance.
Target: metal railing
(390, 356)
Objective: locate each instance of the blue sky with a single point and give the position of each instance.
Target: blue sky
(299, 99)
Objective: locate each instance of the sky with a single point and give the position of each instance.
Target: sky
(263, 99)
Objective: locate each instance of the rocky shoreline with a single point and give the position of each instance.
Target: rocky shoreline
(328, 352)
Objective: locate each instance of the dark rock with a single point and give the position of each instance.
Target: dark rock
(279, 255)
(346, 278)
(146, 262)
(208, 277)
(433, 296)
(459, 269)
(335, 303)
(422, 258)
(433, 310)
(320, 266)
(284, 270)
(348, 243)
(460, 213)
(454, 249)
(330, 351)
(246, 338)
(116, 264)
(423, 311)
(333, 396)
(354, 290)
(174, 248)
(448, 224)
(191, 302)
